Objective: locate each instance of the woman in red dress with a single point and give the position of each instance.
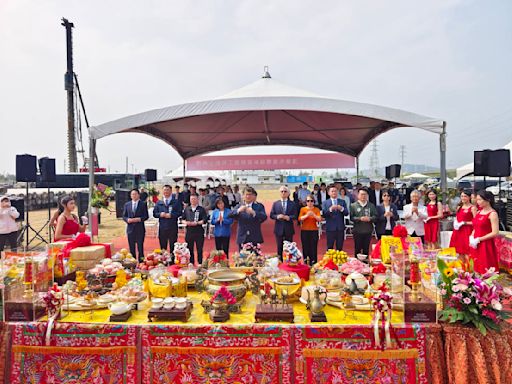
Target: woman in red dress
(463, 226)
(485, 229)
(67, 223)
(435, 212)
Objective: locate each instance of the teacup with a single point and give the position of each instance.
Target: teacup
(169, 303)
(181, 302)
(119, 308)
(156, 302)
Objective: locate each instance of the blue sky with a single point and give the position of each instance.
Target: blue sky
(446, 59)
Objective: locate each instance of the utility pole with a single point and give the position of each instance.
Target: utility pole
(69, 86)
(402, 158)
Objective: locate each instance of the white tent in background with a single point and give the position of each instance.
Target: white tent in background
(200, 178)
(416, 176)
(469, 168)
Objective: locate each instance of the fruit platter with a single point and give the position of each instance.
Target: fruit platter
(331, 260)
(154, 259)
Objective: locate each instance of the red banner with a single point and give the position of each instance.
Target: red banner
(270, 162)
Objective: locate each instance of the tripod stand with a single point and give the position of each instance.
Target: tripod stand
(26, 228)
(47, 224)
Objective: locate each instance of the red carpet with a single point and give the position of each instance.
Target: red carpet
(269, 246)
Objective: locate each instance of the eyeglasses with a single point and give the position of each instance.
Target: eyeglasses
(310, 201)
(386, 195)
(283, 191)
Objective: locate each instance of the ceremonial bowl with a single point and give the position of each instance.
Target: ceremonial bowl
(234, 281)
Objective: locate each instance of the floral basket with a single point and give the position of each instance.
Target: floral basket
(470, 297)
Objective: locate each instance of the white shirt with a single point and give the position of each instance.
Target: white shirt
(414, 222)
(324, 195)
(134, 205)
(377, 198)
(7, 220)
(388, 219)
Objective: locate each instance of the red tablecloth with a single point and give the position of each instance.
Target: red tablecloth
(302, 270)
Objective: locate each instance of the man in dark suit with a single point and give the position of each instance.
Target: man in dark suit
(178, 195)
(250, 214)
(135, 213)
(322, 195)
(195, 216)
(375, 194)
(167, 212)
(283, 211)
(334, 210)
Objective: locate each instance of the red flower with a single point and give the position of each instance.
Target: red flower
(400, 231)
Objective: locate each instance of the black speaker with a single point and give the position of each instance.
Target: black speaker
(393, 171)
(47, 170)
(150, 174)
(82, 203)
(19, 204)
(122, 197)
(480, 162)
(498, 164)
(492, 163)
(26, 168)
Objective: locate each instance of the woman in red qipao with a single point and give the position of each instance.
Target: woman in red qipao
(435, 212)
(67, 223)
(485, 229)
(463, 226)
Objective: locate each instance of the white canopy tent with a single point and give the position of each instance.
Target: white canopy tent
(467, 169)
(267, 112)
(201, 177)
(416, 176)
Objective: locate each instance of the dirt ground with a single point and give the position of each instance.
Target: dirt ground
(110, 226)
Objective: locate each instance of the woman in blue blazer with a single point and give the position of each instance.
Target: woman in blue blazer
(387, 215)
(222, 222)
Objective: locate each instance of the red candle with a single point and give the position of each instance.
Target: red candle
(415, 272)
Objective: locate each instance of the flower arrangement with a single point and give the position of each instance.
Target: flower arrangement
(382, 300)
(223, 295)
(216, 257)
(152, 191)
(53, 300)
(382, 304)
(470, 297)
(100, 196)
(250, 256)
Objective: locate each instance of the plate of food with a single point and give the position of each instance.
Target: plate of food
(286, 280)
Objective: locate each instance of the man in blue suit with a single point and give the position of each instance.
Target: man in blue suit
(135, 213)
(284, 212)
(334, 210)
(167, 212)
(250, 214)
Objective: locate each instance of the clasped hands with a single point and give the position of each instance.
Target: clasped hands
(248, 210)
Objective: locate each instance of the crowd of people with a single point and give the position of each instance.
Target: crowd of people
(369, 211)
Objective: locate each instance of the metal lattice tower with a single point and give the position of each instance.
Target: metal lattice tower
(402, 159)
(374, 160)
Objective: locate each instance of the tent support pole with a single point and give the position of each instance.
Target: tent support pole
(357, 169)
(442, 151)
(92, 144)
(184, 171)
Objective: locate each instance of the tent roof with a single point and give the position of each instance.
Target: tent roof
(267, 112)
(416, 176)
